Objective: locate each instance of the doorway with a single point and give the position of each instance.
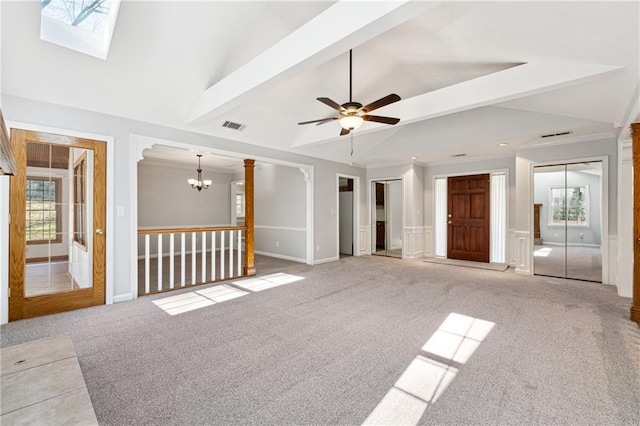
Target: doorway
(567, 218)
(468, 217)
(345, 216)
(57, 236)
(386, 236)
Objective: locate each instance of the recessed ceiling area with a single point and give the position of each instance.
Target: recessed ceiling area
(187, 159)
(470, 74)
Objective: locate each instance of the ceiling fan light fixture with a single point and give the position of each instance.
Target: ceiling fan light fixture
(351, 122)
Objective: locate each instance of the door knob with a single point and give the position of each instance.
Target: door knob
(449, 215)
(449, 222)
(99, 231)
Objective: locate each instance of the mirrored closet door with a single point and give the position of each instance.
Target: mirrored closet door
(568, 221)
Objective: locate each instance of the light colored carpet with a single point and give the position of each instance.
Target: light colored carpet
(468, 264)
(328, 349)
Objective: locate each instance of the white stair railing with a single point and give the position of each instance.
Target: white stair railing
(219, 260)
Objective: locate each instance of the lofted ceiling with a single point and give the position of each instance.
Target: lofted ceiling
(470, 74)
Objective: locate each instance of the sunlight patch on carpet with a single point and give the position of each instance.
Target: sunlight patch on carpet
(425, 379)
(458, 337)
(267, 281)
(186, 302)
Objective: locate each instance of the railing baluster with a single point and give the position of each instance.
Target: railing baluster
(239, 271)
(159, 262)
(183, 267)
(147, 263)
(171, 260)
(227, 260)
(193, 258)
(222, 255)
(204, 257)
(230, 254)
(213, 255)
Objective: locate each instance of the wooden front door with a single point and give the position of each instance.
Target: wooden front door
(57, 232)
(468, 217)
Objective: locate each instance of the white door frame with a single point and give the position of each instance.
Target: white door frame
(372, 210)
(356, 213)
(604, 207)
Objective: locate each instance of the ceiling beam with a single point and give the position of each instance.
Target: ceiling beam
(502, 86)
(339, 28)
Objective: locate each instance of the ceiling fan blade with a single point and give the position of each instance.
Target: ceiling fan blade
(328, 102)
(379, 119)
(344, 131)
(389, 99)
(321, 121)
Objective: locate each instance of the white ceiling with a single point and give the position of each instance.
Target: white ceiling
(471, 74)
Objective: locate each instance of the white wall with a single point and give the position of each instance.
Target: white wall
(591, 235)
(280, 211)
(166, 199)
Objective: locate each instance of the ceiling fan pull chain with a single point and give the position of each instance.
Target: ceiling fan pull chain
(351, 149)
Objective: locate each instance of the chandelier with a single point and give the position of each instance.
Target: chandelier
(199, 183)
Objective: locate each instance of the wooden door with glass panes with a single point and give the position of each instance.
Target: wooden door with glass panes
(57, 233)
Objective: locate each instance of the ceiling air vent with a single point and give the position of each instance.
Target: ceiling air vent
(234, 126)
(459, 155)
(552, 135)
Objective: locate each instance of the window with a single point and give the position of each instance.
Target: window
(80, 201)
(82, 25)
(44, 210)
(569, 205)
(239, 204)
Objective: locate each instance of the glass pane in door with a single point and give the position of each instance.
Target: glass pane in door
(584, 231)
(549, 227)
(58, 197)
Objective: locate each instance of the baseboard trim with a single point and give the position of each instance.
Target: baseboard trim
(325, 260)
(122, 298)
(281, 256)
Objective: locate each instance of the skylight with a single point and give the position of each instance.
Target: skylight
(85, 26)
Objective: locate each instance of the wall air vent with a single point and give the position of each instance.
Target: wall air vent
(553, 135)
(459, 155)
(234, 126)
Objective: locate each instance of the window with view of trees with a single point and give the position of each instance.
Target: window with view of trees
(44, 210)
(569, 205)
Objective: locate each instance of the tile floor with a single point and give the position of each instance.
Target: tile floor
(42, 384)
